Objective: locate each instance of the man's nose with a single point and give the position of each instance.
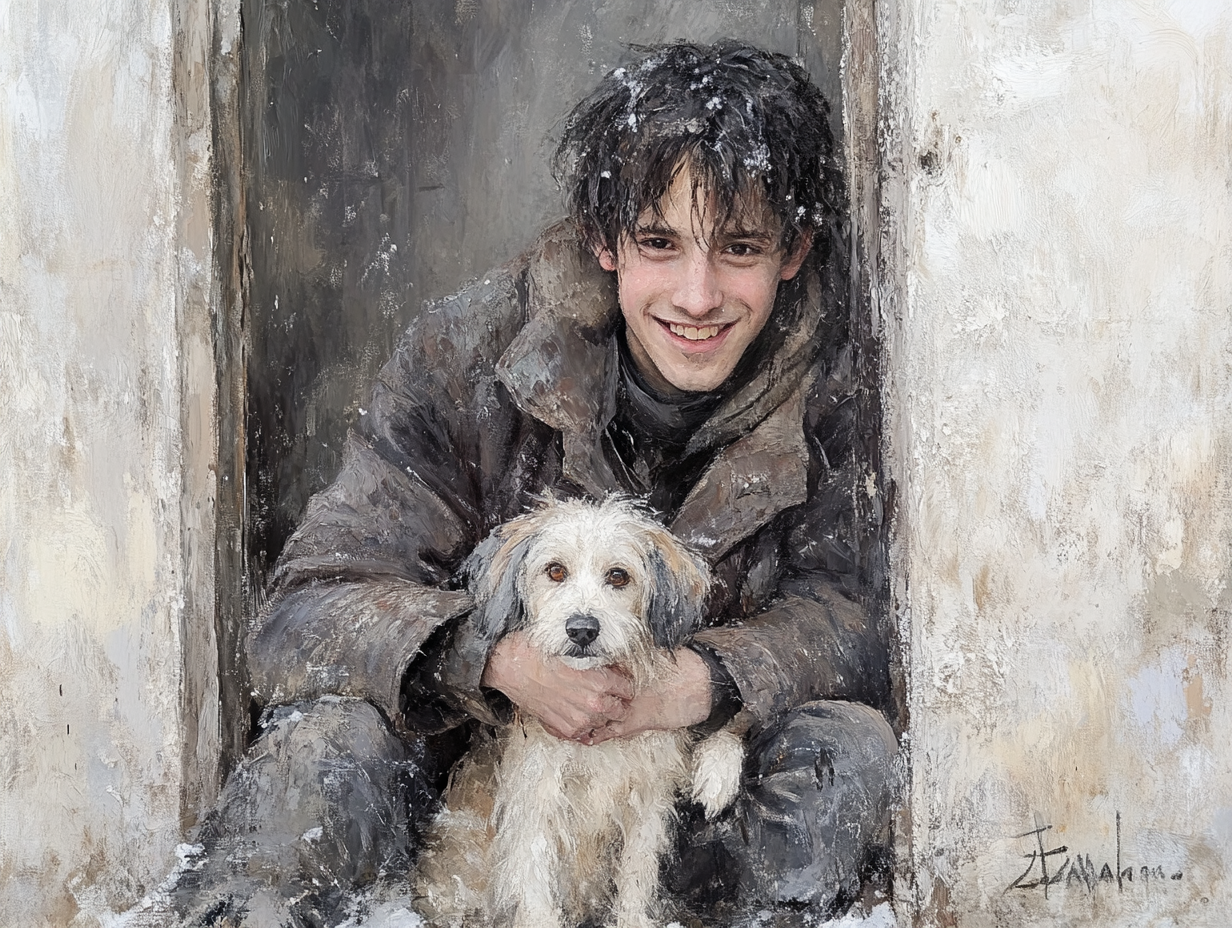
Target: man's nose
(698, 291)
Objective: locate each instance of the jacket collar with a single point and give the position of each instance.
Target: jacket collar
(749, 482)
(563, 367)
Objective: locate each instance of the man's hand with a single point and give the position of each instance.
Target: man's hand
(678, 699)
(573, 704)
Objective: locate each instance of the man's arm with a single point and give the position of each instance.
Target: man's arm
(353, 598)
(365, 580)
(812, 644)
(361, 603)
(816, 636)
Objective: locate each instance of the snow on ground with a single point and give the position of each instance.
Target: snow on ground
(389, 907)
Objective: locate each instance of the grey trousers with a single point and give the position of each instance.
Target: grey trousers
(329, 799)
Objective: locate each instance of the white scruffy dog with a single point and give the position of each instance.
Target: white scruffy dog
(540, 832)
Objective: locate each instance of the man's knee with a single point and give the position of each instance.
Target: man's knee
(320, 729)
(821, 790)
(327, 787)
(832, 738)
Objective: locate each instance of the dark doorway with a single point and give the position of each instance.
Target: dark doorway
(392, 151)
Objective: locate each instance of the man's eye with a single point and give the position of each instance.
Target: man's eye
(657, 244)
(743, 250)
(618, 577)
(556, 572)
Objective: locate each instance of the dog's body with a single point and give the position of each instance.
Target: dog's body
(539, 832)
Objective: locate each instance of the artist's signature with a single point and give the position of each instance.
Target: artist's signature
(1043, 870)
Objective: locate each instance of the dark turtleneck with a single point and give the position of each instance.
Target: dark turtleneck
(650, 431)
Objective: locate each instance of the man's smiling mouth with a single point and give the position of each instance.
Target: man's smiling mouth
(695, 333)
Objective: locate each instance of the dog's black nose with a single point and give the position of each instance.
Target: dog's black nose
(582, 629)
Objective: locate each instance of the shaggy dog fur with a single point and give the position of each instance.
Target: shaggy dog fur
(539, 832)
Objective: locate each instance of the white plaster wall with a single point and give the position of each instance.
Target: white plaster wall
(1059, 353)
(106, 393)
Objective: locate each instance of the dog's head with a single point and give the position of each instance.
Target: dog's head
(595, 583)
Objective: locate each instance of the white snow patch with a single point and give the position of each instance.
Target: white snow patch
(881, 916)
(386, 915)
(154, 911)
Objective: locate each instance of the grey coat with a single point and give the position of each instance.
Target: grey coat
(502, 393)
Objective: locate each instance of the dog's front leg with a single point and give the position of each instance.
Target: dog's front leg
(531, 815)
(647, 818)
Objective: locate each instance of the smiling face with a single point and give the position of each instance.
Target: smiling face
(694, 297)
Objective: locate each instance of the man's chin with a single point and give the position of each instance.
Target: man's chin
(697, 378)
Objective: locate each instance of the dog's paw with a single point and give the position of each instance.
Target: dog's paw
(717, 763)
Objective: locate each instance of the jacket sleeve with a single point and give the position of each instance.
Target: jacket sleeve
(366, 580)
(816, 636)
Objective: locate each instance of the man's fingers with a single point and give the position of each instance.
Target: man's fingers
(556, 732)
(612, 730)
(569, 725)
(605, 708)
(576, 726)
(616, 683)
(603, 680)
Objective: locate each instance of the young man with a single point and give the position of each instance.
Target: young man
(680, 338)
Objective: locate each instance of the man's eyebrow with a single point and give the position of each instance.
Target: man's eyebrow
(728, 234)
(656, 229)
(739, 232)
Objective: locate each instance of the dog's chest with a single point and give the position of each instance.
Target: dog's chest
(593, 785)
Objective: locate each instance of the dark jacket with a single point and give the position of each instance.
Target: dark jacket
(504, 392)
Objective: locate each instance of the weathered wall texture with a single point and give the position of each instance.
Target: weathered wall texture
(1059, 358)
(106, 439)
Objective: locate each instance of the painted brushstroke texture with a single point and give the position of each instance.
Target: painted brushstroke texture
(1059, 395)
(397, 151)
(105, 360)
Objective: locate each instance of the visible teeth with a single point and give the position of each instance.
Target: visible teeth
(692, 332)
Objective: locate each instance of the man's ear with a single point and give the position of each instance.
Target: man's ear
(799, 251)
(607, 258)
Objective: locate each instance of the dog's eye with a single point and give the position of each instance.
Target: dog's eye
(618, 576)
(556, 572)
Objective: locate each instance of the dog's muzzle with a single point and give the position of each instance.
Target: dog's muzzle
(582, 630)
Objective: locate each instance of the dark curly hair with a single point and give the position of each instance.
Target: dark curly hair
(748, 125)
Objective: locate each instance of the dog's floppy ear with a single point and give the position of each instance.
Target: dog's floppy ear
(492, 574)
(679, 581)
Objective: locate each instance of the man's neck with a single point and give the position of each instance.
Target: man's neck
(652, 385)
